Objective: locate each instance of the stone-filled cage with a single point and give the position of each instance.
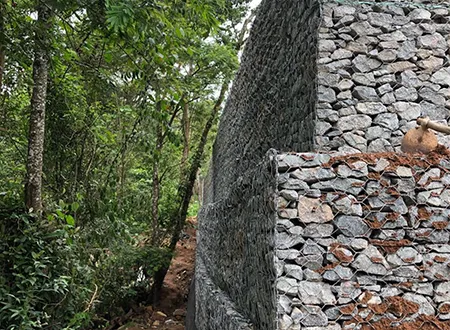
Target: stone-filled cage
(313, 218)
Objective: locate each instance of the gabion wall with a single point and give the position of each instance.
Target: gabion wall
(344, 77)
(235, 256)
(362, 241)
(271, 105)
(380, 66)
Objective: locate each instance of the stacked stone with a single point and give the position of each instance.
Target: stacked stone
(362, 241)
(379, 68)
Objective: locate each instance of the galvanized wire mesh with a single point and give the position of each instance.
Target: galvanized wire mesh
(362, 241)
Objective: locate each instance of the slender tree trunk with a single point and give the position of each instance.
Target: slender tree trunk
(33, 182)
(186, 137)
(155, 179)
(185, 190)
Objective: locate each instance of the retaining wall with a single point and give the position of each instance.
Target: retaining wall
(341, 77)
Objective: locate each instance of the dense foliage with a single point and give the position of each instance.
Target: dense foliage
(133, 95)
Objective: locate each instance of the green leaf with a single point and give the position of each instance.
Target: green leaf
(70, 220)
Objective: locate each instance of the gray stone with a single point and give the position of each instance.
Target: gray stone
(375, 132)
(326, 45)
(387, 120)
(386, 79)
(359, 243)
(434, 173)
(386, 88)
(325, 94)
(347, 292)
(355, 141)
(388, 98)
(294, 184)
(311, 247)
(284, 305)
(315, 293)
(365, 93)
(428, 94)
(364, 28)
(357, 170)
(339, 64)
(441, 77)
(341, 11)
(312, 275)
(345, 84)
(380, 19)
(371, 261)
(370, 108)
(312, 262)
(293, 271)
(338, 273)
(284, 225)
(286, 240)
(328, 79)
(352, 226)
(394, 36)
(390, 234)
(288, 285)
(366, 79)
(349, 206)
(285, 322)
(351, 186)
(290, 195)
(363, 63)
(407, 50)
(313, 316)
(423, 288)
(405, 256)
(406, 94)
(318, 230)
(409, 79)
(403, 171)
(432, 41)
(419, 15)
(340, 54)
(291, 254)
(387, 55)
(442, 292)
(407, 110)
(429, 235)
(310, 175)
(354, 122)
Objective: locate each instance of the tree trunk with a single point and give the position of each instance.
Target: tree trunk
(155, 178)
(33, 182)
(185, 190)
(186, 135)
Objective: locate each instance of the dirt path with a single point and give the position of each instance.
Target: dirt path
(171, 312)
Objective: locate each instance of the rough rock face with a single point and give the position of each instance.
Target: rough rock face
(380, 66)
(363, 239)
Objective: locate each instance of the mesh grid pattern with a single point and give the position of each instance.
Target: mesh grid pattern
(362, 241)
